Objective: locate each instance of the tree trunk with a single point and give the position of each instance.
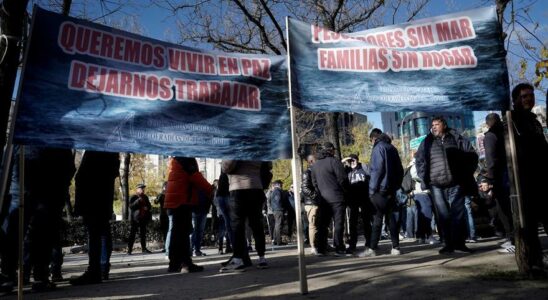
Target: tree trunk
(332, 124)
(124, 184)
(12, 25)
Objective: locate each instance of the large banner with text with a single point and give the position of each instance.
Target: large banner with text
(89, 86)
(448, 63)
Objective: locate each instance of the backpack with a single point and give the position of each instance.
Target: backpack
(408, 184)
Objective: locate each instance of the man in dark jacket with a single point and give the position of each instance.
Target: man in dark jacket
(94, 197)
(386, 177)
(141, 214)
(358, 203)
(445, 162)
(277, 207)
(532, 149)
(311, 199)
(330, 179)
(497, 176)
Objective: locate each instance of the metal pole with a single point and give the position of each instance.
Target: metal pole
(516, 197)
(21, 220)
(296, 172)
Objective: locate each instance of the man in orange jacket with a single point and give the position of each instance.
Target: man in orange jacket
(184, 182)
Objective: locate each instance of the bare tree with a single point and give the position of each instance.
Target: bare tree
(257, 26)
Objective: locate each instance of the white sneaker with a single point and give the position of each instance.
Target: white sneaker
(235, 265)
(368, 253)
(506, 244)
(313, 251)
(433, 241)
(507, 250)
(395, 251)
(262, 263)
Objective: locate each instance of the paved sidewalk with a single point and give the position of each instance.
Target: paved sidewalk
(420, 273)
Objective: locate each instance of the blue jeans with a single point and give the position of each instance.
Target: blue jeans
(198, 223)
(424, 215)
(469, 217)
(384, 205)
(224, 211)
(168, 235)
(449, 203)
(411, 221)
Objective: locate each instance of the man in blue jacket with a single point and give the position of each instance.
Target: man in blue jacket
(445, 163)
(386, 177)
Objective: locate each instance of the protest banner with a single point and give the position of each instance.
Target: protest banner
(89, 86)
(448, 63)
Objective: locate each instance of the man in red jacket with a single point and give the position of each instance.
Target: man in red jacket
(184, 182)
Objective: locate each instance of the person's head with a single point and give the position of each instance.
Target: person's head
(311, 159)
(439, 126)
(492, 119)
(523, 97)
(140, 188)
(354, 160)
(328, 149)
(374, 134)
(277, 184)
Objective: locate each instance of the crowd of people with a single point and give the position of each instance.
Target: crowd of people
(381, 199)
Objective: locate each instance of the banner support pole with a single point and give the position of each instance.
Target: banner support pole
(21, 221)
(296, 173)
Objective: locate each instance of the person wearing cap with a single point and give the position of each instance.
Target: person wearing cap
(358, 203)
(140, 216)
(331, 180)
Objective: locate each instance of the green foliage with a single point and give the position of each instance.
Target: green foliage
(361, 144)
(281, 170)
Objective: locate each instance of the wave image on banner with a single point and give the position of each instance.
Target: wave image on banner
(88, 86)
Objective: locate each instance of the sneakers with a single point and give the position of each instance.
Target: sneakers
(506, 244)
(446, 250)
(192, 268)
(508, 250)
(198, 253)
(235, 265)
(86, 278)
(350, 250)
(472, 240)
(262, 263)
(56, 277)
(395, 251)
(368, 253)
(43, 286)
(433, 241)
(145, 251)
(464, 249)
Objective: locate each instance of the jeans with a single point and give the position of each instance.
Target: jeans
(360, 209)
(223, 209)
(99, 244)
(247, 205)
(469, 217)
(168, 235)
(336, 211)
(424, 215)
(278, 224)
(412, 221)
(449, 202)
(199, 223)
(385, 205)
(179, 244)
